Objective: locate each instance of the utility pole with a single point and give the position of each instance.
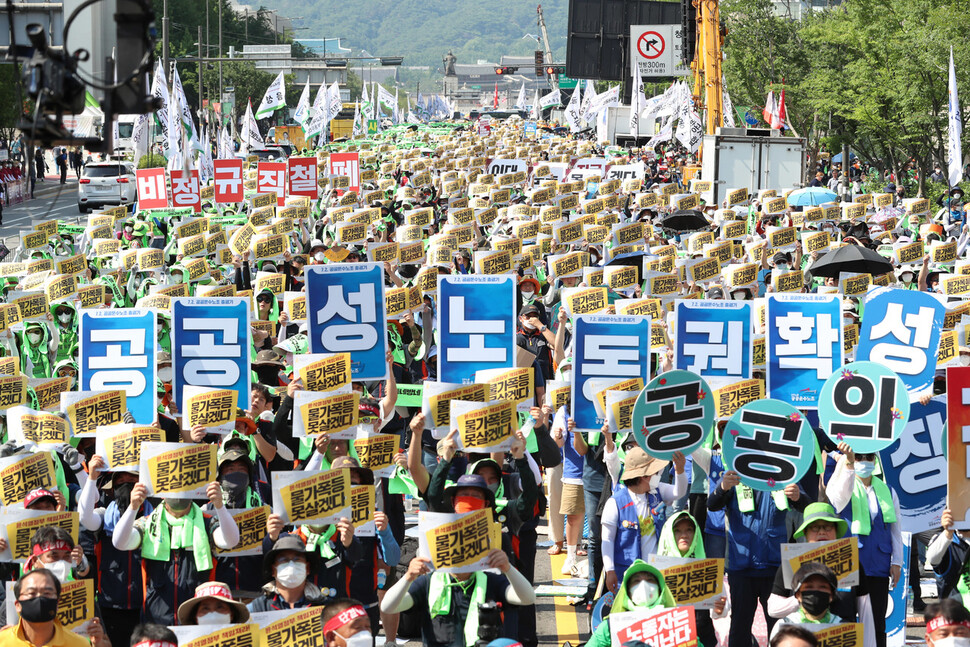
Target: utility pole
(200, 68)
(165, 39)
(553, 80)
(220, 48)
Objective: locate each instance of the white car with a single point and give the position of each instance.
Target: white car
(106, 183)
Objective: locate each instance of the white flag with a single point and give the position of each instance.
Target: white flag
(187, 121)
(728, 108)
(250, 133)
(139, 137)
(395, 114)
(226, 148)
(274, 99)
(520, 102)
(535, 112)
(588, 96)
(607, 99)
(955, 130)
(385, 97)
(358, 126)
(637, 100)
(551, 99)
(574, 112)
(160, 91)
(365, 100)
(302, 114)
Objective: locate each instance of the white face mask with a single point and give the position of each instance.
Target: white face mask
(291, 574)
(34, 337)
(64, 317)
(864, 469)
(165, 374)
(952, 641)
(528, 326)
(781, 267)
(129, 229)
(61, 570)
(214, 618)
(654, 481)
(319, 256)
(644, 593)
(907, 277)
(528, 296)
(739, 296)
(964, 360)
(360, 639)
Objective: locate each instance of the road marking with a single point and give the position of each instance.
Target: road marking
(567, 616)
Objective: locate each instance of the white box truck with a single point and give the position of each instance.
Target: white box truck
(752, 158)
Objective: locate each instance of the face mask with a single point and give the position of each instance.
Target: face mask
(527, 297)
(654, 481)
(159, 328)
(864, 468)
(360, 639)
(129, 229)
(34, 337)
(493, 487)
(61, 570)
(179, 504)
(528, 326)
(739, 296)
(319, 256)
(235, 484)
(468, 504)
(907, 277)
(782, 267)
(165, 374)
(815, 602)
(64, 317)
(964, 360)
(177, 278)
(269, 268)
(38, 609)
(291, 574)
(644, 593)
(214, 618)
(122, 493)
(949, 641)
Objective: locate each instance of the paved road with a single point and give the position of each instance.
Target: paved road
(52, 200)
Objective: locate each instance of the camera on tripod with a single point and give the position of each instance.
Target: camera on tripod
(489, 622)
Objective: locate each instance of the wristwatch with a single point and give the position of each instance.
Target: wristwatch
(544, 329)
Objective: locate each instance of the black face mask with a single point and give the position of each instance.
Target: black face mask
(123, 495)
(235, 484)
(179, 504)
(816, 602)
(38, 609)
(268, 374)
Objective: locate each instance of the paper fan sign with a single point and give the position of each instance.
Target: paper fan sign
(673, 413)
(769, 443)
(865, 405)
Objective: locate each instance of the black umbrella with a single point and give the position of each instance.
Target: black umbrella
(686, 220)
(851, 259)
(634, 259)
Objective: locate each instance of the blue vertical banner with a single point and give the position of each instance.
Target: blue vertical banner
(346, 313)
(606, 347)
(901, 330)
(211, 343)
(915, 466)
(804, 346)
(117, 350)
(476, 325)
(714, 338)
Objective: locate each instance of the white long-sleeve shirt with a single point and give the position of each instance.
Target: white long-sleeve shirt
(839, 492)
(648, 543)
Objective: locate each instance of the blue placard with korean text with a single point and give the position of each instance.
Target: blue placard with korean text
(804, 346)
(346, 313)
(211, 343)
(901, 330)
(476, 327)
(914, 466)
(714, 338)
(117, 350)
(606, 347)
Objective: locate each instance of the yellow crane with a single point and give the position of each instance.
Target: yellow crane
(708, 87)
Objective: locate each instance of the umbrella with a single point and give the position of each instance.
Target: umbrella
(851, 259)
(634, 259)
(837, 159)
(686, 220)
(813, 196)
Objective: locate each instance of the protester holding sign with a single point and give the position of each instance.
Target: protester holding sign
(176, 544)
(289, 564)
(815, 587)
(643, 588)
(872, 509)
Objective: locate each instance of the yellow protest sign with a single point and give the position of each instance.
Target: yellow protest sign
(181, 471)
(23, 525)
(38, 427)
(856, 284)
(73, 265)
(376, 452)
(252, 529)
(19, 475)
(731, 397)
(213, 409)
(330, 414)
(483, 427)
(319, 498)
(33, 306)
(120, 445)
(841, 555)
(698, 582)
(302, 627)
(461, 544)
(60, 287)
(581, 301)
(363, 505)
(246, 635)
(324, 374)
(87, 410)
(847, 634)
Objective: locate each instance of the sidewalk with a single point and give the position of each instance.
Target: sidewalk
(52, 184)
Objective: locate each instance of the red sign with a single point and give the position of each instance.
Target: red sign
(302, 174)
(667, 627)
(347, 164)
(651, 44)
(228, 180)
(152, 190)
(185, 190)
(271, 176)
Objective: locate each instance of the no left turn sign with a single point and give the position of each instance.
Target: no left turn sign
(651, 45)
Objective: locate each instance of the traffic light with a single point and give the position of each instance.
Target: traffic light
(555, 69)
(540, 71)
(688, 30)
(504, 71)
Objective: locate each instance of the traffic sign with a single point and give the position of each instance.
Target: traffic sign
(567, 83)
(656, 49)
